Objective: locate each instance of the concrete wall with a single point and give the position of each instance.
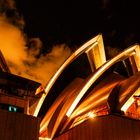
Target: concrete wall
(109, 127)
(17, 126)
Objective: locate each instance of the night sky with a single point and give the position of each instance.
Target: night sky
(73, 23)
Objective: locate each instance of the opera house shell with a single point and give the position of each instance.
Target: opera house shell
(92, 97)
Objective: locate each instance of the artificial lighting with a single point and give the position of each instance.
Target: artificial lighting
(91, 115)
(40, 138)
(12, 109)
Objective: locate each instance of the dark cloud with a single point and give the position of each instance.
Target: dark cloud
(23, 54)
(9, 10)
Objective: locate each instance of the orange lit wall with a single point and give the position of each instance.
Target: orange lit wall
(110, 127)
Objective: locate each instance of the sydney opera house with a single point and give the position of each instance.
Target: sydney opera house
(90, 97)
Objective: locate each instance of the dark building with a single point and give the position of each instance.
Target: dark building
(17, 96)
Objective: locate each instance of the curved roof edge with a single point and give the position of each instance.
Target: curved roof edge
(88, 47)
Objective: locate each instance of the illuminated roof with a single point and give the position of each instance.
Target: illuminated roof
(87, 85)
